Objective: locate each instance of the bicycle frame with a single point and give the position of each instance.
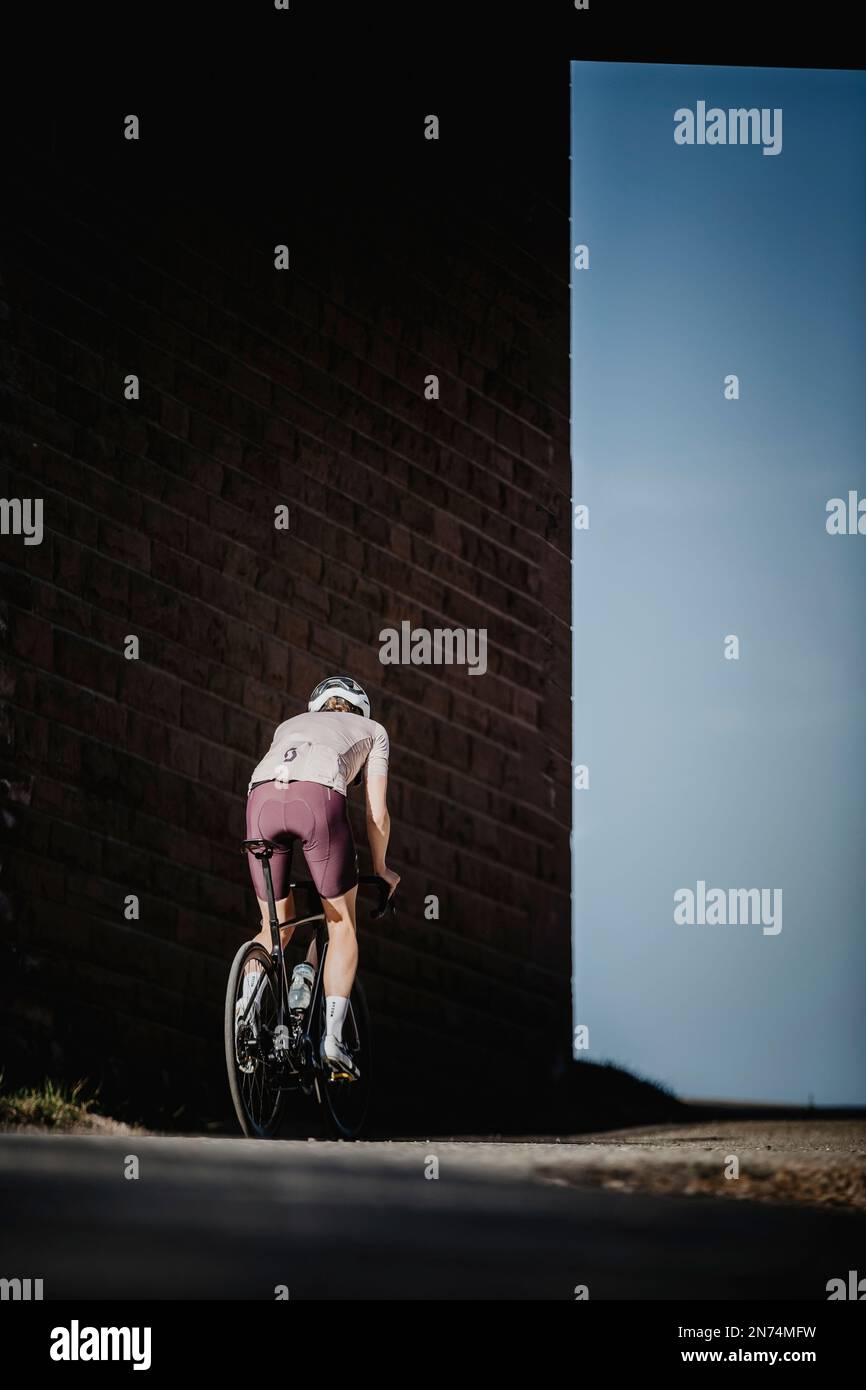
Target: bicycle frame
(263, 851)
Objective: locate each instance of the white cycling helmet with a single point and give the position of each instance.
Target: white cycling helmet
(346, 688)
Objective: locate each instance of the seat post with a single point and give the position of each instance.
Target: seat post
(272, 904)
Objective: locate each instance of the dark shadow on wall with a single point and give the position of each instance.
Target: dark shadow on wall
(128, 778)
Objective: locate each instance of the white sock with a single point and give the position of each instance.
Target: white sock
(250, 980)
(335, 1013)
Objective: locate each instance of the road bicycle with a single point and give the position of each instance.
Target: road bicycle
(272, 1051)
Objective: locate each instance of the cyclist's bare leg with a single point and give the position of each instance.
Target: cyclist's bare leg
(341, 960)
(285, 911)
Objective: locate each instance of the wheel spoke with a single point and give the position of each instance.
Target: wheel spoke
(249, 1043)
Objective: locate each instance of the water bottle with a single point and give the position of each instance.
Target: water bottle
(301, 988)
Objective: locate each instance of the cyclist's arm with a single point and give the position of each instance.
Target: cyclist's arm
(378, 820)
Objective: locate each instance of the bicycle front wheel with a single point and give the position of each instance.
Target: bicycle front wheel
(249, 1041)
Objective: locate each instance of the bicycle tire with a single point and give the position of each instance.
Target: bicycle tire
(269, 1125)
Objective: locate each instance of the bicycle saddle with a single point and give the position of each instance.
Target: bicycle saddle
(262, 849)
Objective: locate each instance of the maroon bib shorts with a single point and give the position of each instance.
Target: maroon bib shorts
(317, 816)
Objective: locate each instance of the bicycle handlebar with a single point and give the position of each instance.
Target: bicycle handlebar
(386, 900)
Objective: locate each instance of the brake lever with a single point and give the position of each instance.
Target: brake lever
(385, 903)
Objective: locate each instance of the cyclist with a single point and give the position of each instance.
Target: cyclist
(299, 791)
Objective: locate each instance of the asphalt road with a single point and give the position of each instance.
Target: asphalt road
(233, 1219)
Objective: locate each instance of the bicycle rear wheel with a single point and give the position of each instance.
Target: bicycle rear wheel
(253, 1075)
(345, 1103)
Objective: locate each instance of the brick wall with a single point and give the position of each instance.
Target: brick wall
(303, 387)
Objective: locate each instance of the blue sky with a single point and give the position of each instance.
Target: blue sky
(707, 518)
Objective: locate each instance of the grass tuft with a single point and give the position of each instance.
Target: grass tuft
(56, 1106)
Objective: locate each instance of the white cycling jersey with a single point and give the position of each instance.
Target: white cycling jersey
(328, 747)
